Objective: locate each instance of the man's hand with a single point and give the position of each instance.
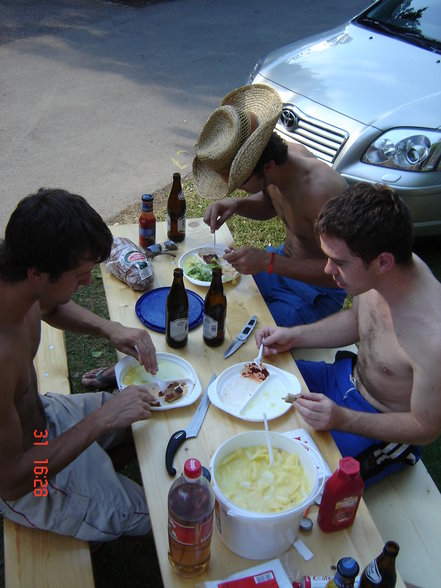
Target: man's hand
(218, 212)
(131, 405)
(275, 339)
(318, 411)
(135, 342)
(248, 260)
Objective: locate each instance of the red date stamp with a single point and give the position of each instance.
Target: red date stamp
(40, 465)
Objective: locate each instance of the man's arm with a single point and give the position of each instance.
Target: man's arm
(251, 260)
(256, 206)
(420, 426)
(337, 330)
(131, 341)
(17, 465)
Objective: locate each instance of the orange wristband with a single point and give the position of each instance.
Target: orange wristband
(271, 263)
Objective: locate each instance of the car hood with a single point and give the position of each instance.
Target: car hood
(371, 77)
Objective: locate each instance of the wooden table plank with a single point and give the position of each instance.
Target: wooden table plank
(362, 541)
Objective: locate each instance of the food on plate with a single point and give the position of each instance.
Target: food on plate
(200, 266)
(246, 478)
(255, 372)
(291, 398)
(267, 399)
(173, 392)
(178, 384)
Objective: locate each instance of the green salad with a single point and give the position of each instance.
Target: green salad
(198, 270)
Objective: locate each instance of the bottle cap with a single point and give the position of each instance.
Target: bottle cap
(306, 524)
(147, 198)
(349, 466)
(347, 567)
(192, 468)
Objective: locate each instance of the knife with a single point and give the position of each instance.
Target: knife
(191, 431)
(241, 338)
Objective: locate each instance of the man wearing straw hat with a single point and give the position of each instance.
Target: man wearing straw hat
(238, 148)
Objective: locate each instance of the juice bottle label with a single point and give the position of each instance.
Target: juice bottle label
(190, 534)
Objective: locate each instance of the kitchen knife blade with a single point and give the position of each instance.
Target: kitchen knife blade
(191, 431)
(241, 338)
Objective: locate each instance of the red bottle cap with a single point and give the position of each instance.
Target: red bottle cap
(192, 468)
(349, 466)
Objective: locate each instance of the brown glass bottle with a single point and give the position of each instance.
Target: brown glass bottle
(176, 312)
(380, 572)
(176, 208)
(215, 311)
(147, 222)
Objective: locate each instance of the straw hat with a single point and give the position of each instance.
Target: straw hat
(233, 139)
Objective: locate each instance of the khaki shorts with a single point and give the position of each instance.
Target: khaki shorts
(88, 499)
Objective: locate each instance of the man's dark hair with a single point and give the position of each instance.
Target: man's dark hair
(276, 150)
(371, 219)
(52, 231)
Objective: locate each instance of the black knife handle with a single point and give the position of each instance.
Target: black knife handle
(173, 445)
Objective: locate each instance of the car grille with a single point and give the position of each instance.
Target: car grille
(324, 140)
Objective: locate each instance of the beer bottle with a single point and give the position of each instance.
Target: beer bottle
(380, 573)
(176, 208)
(190, 520)
(147, 222)
(215, 310)
(347, 570)
(176, 314)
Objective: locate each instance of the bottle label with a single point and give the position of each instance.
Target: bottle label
(147, 236)
(210, 327)
(190, 534)
(181, 195)
(131, 257)
(373, 573)
(179, 329)
(344, 509)
(181, 224)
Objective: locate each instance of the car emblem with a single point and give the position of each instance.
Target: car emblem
(289, 119)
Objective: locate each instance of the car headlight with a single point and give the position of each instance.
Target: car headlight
(406, 149)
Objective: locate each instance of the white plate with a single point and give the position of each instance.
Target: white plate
(247, 399)
(219, 250)
(171, 367)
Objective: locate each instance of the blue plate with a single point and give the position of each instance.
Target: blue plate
(150, 309)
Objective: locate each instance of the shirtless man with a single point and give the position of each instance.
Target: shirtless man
(391, 393)
(285, 181)
(52, 242)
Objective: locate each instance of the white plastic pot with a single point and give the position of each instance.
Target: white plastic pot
(260, 535)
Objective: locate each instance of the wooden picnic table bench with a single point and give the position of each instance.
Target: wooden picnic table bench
(35, 558)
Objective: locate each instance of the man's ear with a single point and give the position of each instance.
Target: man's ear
(269, 165)
(385, 262)
(34, 275)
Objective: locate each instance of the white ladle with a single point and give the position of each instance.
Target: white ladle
(268, 440)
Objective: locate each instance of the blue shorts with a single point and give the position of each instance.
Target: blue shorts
(377, 458)
(292, 302)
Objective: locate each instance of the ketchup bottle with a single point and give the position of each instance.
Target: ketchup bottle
(341, 496)
(147, 222)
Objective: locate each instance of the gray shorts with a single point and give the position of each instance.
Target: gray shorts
(88, 499)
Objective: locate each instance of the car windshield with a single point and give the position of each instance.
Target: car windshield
(414, 21)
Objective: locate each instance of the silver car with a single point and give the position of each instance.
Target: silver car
(366, 98)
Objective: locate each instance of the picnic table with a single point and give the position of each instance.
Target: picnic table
(361, 541)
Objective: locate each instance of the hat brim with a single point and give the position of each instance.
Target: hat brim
(266, 105)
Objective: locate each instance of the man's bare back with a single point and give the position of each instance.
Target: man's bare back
(19, 344)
